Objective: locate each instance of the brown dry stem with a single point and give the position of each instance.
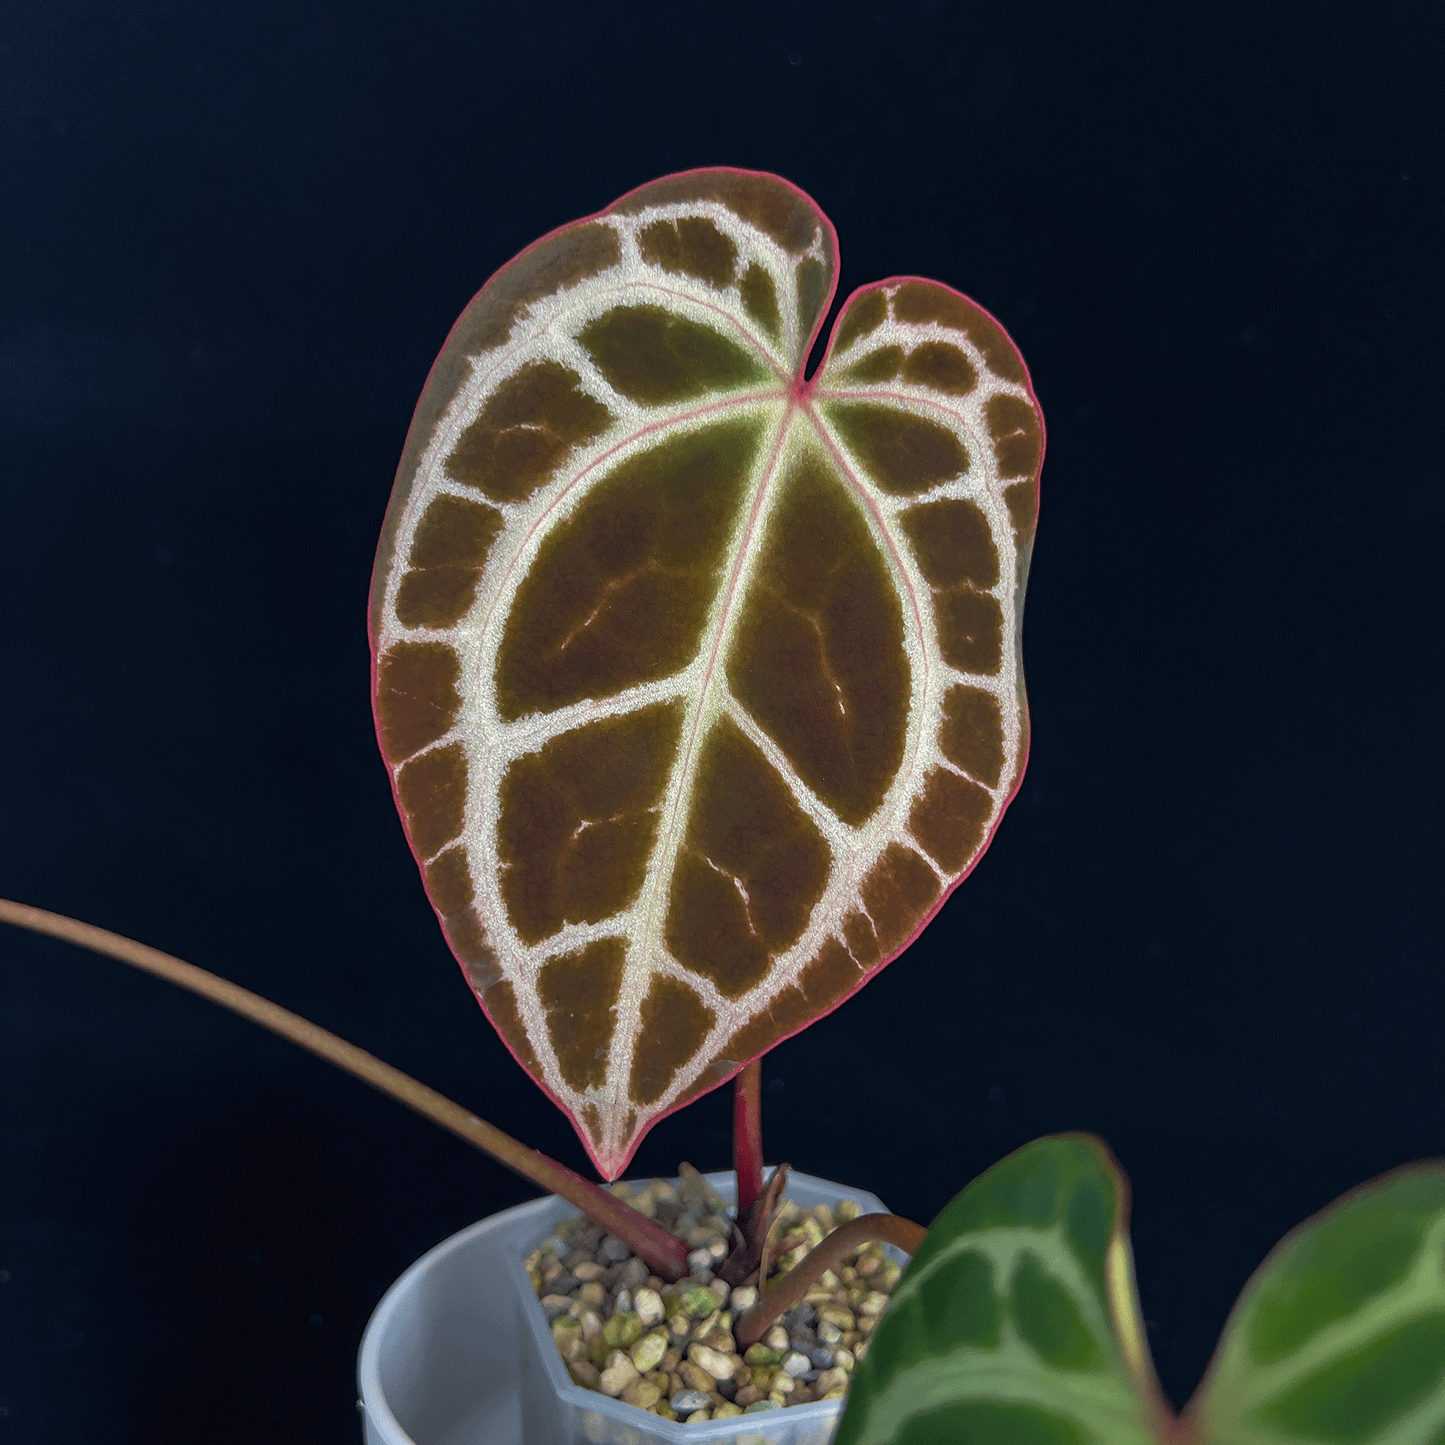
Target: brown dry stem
(790, 1288)
(664, 1254)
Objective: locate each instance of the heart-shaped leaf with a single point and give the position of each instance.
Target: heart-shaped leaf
(699, 679)
(1339, 1338)
(1017, 1322)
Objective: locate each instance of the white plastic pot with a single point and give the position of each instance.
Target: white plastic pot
(458, 1351)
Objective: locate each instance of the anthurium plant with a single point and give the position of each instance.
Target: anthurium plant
(698, 676)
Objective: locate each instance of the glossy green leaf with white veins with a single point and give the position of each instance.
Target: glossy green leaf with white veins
(1339, 1339)
(699, 679)
(1017, 1322)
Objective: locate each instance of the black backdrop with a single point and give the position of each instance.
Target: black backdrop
(233, 238)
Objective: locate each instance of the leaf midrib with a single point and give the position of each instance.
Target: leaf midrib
(648, 949)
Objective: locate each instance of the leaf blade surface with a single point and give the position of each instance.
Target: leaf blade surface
(699, 680)
(1017, 1321)
(1340, 1335)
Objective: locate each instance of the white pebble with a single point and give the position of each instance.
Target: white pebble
(618, 1375)
(647, 1353)
(648, 1306)
(717, 1364)
(795, 1364)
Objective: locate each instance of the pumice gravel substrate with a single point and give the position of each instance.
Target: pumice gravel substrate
(669, 1349)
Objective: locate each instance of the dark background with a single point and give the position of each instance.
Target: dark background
(234, 237)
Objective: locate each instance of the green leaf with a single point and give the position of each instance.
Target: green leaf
(1339, 1338)
(699, 678)
(1017, 1322)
